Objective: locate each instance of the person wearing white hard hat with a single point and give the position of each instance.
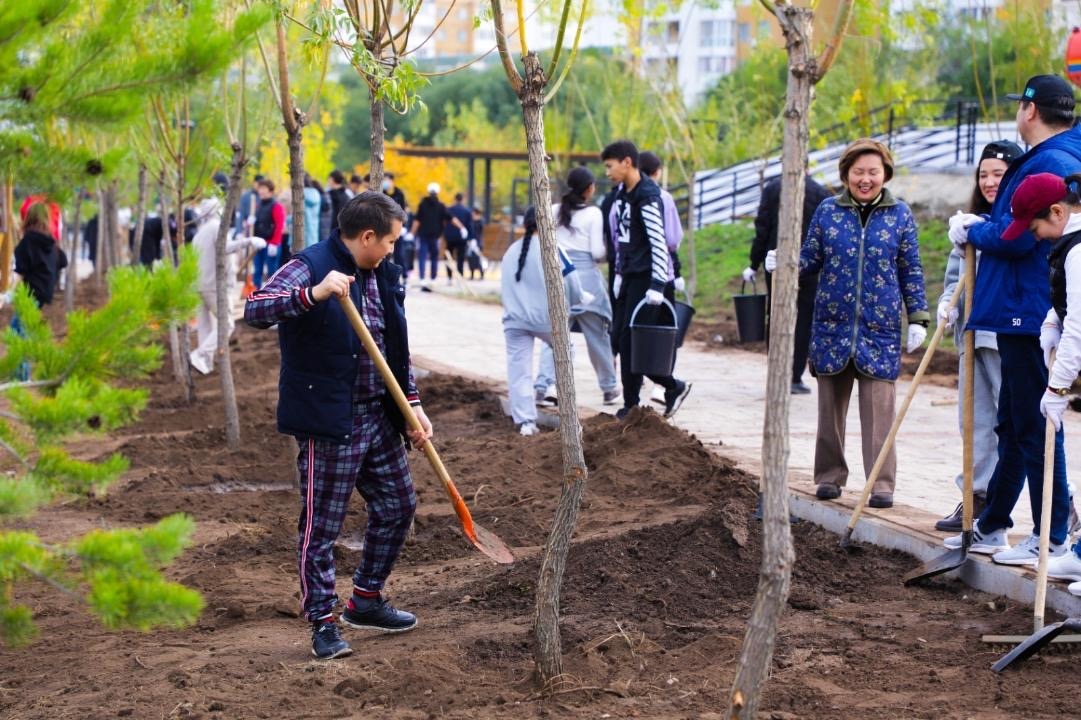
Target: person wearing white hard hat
(427, 229)
(206, 237)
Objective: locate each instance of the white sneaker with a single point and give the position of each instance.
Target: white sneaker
(1074, 588)
(1027, 552)
(528, 429)
(199, 363)
(988, 544)
(1065, 567)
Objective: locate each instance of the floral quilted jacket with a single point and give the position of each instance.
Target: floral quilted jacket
(864, 275)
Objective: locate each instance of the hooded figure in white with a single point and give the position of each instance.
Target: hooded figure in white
(209, 219)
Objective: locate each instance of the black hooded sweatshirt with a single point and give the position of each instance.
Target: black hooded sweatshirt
(39, 260)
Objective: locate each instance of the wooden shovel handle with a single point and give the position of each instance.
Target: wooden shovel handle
(395, 390)
(968, 416)
(1045, 516)
(888, 444)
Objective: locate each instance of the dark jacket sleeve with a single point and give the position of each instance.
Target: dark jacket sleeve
(765, 223)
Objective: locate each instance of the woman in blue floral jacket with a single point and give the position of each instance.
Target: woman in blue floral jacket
(863, 245)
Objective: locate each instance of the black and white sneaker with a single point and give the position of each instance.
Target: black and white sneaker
(674, 398)
(377, 614)
(327, 642)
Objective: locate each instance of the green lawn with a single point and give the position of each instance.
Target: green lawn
(722, 251)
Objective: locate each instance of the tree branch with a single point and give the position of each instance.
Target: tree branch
(42, 576)
(837, 36)
(520, 6)
(768, 5)
(285, 99)
(15, 454)
(511, 71)
(574, 53)
(559, 38)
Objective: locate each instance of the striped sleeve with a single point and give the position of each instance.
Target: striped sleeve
(653, 219)
(286, 295)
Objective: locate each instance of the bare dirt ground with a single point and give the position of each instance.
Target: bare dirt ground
(657, 592)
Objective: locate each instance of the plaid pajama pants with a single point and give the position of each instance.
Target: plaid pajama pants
(375, 464)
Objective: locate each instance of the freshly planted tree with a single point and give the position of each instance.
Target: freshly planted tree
(804, 70)
(533, 90)
(73, 390)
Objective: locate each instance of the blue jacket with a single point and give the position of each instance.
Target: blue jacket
(1012, 294)
(319, 351)
(864, 275)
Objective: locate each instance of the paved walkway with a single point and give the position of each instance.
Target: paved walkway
(726, 406)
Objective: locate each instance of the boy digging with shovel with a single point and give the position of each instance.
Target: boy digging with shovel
(334, 401)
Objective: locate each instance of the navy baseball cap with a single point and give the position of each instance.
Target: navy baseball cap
(1048, 91)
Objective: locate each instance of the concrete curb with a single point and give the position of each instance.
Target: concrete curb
(979, 572)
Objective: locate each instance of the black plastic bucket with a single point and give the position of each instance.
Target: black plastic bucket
(684, 315)
(750, 314)
(653, 347)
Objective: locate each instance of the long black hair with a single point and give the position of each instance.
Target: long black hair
(529, 222)
(579, 181)
(1003, 150)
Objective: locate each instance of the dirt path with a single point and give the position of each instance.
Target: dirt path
(657, 591)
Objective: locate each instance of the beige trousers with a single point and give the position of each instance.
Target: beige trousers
(876, 398)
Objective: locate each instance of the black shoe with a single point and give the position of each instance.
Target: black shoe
(954, 521)
(327, 642)
(377, 614)
(674, 398)
(881, 500)
(792, 519)
(798, 388)
(826, 491)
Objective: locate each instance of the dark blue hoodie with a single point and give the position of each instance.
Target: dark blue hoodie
(1012, 292)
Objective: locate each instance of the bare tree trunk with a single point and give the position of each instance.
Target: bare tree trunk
(118, 237)
(225, 301)
(140, 215)
(378, 140)
(756, 655)
(103, 237)
(167, 252)
(547, 648)
(72, 273)
(294, 121)
(186, 380)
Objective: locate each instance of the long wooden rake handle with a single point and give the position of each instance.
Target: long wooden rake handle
(897, 420)
(968, 414)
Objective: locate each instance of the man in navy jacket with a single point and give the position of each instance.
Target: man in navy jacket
(1012, 297)
(333, 399)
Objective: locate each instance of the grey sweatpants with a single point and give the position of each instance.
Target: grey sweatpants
(520, 371)
(598, 345)
(986, 384)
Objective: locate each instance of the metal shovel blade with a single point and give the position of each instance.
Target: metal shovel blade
(489, 543)
(942, 564)
(1036, 641)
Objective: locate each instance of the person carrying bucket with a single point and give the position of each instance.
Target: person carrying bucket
(333, 399)
(642, 262)
(863, 245)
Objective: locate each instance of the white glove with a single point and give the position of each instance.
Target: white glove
(680, 284)
(1052, 405)
(959, 225)
(1050, 334)
(771, 261)
(6, 298)
(617, 284)
(748, 274)
(251, 220)
(257, 243)
(464, 232)
(944, 317)
(916, 335)
(654, 297)
(272, 250)
(588, 297)
(473, 246)
(410, 237)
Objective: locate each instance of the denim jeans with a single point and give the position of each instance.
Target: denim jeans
(263, 263)
(1020, 442)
